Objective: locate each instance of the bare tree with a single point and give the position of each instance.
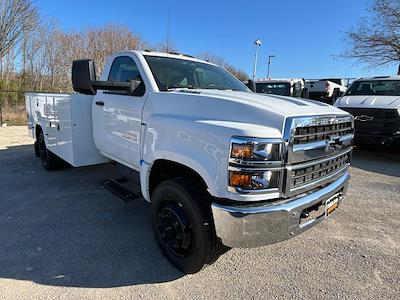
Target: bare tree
(101, 42)
(16, 17)
(166, 46)
(376, 40)
(48, 52)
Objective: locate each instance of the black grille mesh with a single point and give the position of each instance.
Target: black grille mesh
(305, 135)
(319, 170)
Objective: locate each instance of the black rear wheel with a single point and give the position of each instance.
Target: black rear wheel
(183, 225)
(48, 159)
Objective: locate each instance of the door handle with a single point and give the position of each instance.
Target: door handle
(100, 103)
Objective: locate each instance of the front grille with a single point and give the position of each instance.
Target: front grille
(318, 151)
(309, 134)
(318, 171)
(375, 121)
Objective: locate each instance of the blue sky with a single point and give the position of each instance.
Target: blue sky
(304, 35)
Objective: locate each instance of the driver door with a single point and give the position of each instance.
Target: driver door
(117, 115)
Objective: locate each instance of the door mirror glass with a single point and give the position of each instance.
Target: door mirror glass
(83, 75)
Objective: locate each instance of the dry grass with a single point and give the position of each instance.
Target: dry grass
(14, 115)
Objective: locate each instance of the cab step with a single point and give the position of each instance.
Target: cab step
(126, 189)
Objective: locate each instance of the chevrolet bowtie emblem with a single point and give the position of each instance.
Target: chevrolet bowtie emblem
(333, 143)
(364, 118)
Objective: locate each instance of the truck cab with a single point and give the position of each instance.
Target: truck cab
(375, 104)
(221, 166)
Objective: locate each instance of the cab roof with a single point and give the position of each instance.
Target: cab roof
(173, 55)
(266, 80)
(380, 78)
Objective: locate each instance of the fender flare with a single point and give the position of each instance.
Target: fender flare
(190, 163)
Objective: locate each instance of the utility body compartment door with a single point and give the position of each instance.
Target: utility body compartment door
(67, 125)
(117, 115)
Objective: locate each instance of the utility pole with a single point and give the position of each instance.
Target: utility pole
(269, 64)
(258, 44)
(168, 27)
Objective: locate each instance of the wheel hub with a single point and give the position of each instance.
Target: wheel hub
(175, 229)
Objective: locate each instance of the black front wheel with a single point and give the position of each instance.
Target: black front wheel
(183, 226)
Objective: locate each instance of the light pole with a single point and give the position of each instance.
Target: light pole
(269, 63)
(258, 44)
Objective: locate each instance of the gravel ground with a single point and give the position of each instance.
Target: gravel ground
(64, 237)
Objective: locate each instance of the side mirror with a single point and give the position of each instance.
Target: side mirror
(336, 94)
(134, 85)
(84, 80)
(251, 85)
(83, 74)
(305, 93)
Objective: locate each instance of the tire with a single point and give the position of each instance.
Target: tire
(183, 226)
(48, 159)
(36, 147)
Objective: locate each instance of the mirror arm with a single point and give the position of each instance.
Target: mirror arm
(111, 85)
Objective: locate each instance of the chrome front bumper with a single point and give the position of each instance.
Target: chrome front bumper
(254, 226)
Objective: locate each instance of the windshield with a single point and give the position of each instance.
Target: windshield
(375, 87)
(171, 73)
(276, 88)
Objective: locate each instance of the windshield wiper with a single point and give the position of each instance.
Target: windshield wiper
(171, 88)
(220, 89)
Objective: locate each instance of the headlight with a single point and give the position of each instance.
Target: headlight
(252, 149)
(255, 164)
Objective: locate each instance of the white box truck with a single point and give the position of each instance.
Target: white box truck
(222, 166)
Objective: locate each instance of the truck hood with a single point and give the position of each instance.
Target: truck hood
(282, 105)
(388, 102)
(240, 110)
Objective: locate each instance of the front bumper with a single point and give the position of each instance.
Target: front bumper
(254, 226)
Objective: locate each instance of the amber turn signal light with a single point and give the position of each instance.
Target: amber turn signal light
(240, 179)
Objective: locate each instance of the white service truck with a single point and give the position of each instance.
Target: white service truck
(222, 166)
(375, 104)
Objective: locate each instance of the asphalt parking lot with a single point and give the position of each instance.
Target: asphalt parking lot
(62, 236)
